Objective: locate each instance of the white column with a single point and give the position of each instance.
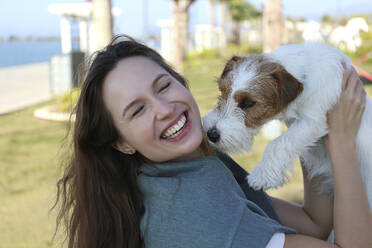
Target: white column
(66, 41)
(83, 33)
(166, 38)
(92, 44)
(102, 23)
(199, 38)
(207, 37)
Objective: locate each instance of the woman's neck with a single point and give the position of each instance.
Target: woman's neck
(198, 153)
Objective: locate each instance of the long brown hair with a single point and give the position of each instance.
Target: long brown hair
(100, 201)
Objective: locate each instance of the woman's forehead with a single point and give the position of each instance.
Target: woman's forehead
(138, 66)
(130, 78)
(133, 71)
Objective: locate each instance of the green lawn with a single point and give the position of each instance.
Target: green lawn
(30, 152)
(29, 155)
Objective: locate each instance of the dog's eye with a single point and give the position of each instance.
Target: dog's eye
(246, 103)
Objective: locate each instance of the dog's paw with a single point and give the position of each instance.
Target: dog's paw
(265, 178)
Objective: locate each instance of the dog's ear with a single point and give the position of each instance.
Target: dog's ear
(231, 64)
(288, 87)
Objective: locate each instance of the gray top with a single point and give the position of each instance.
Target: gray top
(198, 203)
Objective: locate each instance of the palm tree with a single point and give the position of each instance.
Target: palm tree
(180, 26)
(102, 23)
(272, 37)
(212, 19)
(272, 25)
(240, 10)
(225, 19)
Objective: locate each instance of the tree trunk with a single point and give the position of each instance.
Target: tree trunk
(212, 18)
(102, 23)
(236, 33)
(272, 37)
(272, 25)
(225, 21)
(180, 26)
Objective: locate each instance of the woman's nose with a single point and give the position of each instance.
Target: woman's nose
(164, 109)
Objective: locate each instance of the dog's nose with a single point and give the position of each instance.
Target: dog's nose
(213, 134)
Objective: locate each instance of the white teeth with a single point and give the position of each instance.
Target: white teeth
(175, 129)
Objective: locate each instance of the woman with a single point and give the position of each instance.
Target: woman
(142, 173)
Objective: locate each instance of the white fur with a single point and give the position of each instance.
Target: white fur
(318, 67)
(230, 121)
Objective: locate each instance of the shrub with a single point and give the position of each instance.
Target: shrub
(205, 54)
(244, 49)
(365, 48)
(68, 100)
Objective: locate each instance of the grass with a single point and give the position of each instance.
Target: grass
(30, 154)
(367, 66)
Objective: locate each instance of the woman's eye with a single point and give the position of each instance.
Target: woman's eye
(164, 87)
(137, 111)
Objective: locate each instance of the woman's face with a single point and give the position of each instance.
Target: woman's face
(154, 113)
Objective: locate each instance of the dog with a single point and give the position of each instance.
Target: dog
(296, 84)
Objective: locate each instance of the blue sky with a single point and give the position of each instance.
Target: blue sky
(31, 17)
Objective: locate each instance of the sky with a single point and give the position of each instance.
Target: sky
(31, 17)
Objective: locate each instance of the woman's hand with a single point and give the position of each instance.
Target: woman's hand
(345, 117)
(352, 214)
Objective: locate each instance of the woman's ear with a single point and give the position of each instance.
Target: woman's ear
(124, 147)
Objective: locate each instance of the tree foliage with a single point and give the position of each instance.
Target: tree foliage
(242, 10)
(328, 19)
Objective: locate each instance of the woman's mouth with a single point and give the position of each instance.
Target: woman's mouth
(173, 133)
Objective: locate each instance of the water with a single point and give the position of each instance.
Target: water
(20, 53)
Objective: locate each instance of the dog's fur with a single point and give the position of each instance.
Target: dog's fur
(296, 84)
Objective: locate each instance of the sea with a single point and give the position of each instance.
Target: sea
(21, 53)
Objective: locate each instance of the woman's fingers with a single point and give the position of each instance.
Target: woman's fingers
(358, 91)
(346, 75)
(344, 119)
(354, 79)
(353, 87)
(362, 95)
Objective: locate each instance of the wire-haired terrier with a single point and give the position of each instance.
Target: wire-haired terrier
(297, 84)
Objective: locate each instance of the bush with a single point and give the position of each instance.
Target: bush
(68, 100)
(365, 48)
(244, 49)
(205, 54)
(230, 50)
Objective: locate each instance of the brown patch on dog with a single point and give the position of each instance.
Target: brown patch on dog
(224, 82)
(288, 86)
(262, 110)
(231, 64)
(272, 89)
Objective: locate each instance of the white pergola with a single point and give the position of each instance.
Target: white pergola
(82, 12)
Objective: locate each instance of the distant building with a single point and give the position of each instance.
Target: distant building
(252, 32)
(344, 37)
(82, 12)
(208, 36)
(348, 37)
(312, 32)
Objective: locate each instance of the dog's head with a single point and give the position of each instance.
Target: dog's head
(253, 90)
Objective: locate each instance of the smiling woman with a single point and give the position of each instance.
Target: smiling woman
(143, 175)
(133, 108)
(159, 109)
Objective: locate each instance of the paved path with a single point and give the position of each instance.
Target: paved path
(22, 86)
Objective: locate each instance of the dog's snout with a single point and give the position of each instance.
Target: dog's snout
(213, 134)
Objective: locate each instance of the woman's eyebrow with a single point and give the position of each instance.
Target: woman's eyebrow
(152, 86)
